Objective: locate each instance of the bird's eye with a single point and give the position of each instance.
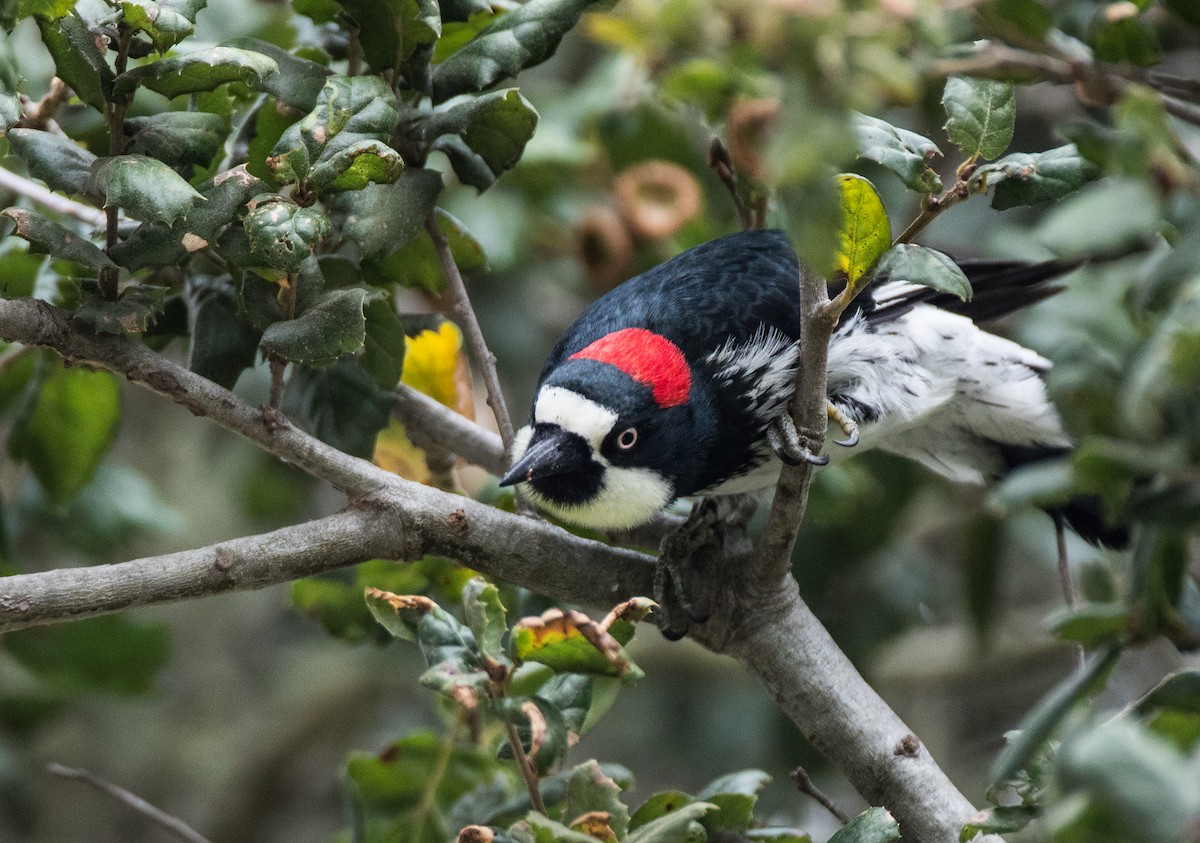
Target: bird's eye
(627, 438)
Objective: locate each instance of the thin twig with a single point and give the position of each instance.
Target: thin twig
(466, 314)
(807, 786)
(1068, 586)
(526, 767)
(174, 825)
(721, 163)
(59, 204)
(41, 113)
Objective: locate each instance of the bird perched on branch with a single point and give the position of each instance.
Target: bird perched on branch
(676, 384)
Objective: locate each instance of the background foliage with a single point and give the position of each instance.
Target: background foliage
(274, 167)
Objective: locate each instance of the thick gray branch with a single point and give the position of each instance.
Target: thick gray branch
(427, 418)
(763, 622)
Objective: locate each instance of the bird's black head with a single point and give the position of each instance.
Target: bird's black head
(617, 432)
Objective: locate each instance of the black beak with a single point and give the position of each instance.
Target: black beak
(552, 451)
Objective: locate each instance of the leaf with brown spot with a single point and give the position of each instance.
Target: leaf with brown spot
(571, 642)
(595, 824)
(537, 726)
(398, 613)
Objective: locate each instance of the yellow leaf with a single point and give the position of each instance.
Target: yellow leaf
(396, 453)
(434, 364)
(866, 231)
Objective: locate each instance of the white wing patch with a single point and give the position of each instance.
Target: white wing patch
(767, 362)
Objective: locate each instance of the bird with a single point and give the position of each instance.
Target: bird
(675, 384)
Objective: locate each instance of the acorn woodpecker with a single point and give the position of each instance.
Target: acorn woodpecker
(669, 385)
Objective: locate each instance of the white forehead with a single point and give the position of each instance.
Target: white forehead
(571, 411)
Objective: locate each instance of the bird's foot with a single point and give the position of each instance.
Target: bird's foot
(786, 443)
(678, 560)
(848, 425)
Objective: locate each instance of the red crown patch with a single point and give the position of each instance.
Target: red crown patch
(649, 358)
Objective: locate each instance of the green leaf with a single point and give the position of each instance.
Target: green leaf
(384, 345)
(282, 233)
(333, 326)
(298, 82)
(573, 695)
(1041, 722)
(390, 31)
(339, 606)
(924, 266)
(203, 70)
(10, 110)
(1186, 9)
(53, 239)
(144, 187)
(1109, 218)
(485, 615)
(735, 796)
(866, 231)
(1027, 179)
(1178, 691)
(1091, 624)
(68, 429)
(1125, 39)
(980, 115)
(178, 138)
(137, 308)
(417, 265)
(165, 26)
(523, 37)
(340, 405)
(495, 127)
(78, 59)
(1029, 16)
(874, 825)
(156, 243)
(905, 153)
(107, 654)
(383, 218)
(356, 166)
(544, 830)
(589, 789)
(659, 805)
(1004, 819)
(396, 779)
(48, 9)
(571, 641)
(222, 345)
(60, 162)
(672, 827)
(777, 835)
(1143, 788)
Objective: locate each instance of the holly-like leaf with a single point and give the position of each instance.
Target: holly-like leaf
(147, 189)
(1091, 624)
(521, 38)
(203, 70)
(398, 778)
(156, 243)
(137, 308)
(1041, 722)
(108, 654)
(571, 641)
(165, 26)
(543, 830)
(417, 265)
(390, 31)
(222, 345)
(60, 162)
(334, 325)
(282, 233)
(348, 111)
(866, 231)
(905, 153)
(339, 404)
(735, 796)
(485, 615)
(980, 115)
(1026, 179)
(399, 614)
(78, 58)
(298, 82)
(494, 127)
(178, 138)
(55, 240)
(382, 218)
(356, 166)
(68, 429)
(924, 266)
(385, 342)
(671, 827)
(874, 825)
(590, 791)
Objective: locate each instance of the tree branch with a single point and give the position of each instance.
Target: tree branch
(174, 825)
(466, 315)
(765, 624)
(432, 420)
(59, 204)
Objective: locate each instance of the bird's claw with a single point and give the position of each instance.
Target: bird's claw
(785, 442)
(847, 424)
(675, 556)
